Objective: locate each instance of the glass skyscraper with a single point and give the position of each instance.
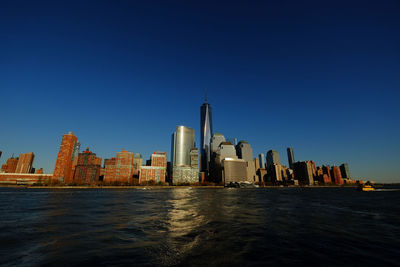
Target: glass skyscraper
(205, 136)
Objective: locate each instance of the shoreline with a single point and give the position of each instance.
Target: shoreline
(161, 187)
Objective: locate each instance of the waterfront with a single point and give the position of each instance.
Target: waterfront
(199, 226)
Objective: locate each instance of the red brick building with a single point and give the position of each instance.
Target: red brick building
(157, 171)
(25, 163)
(109, 170)
(120, 168)
(10, 166)
(326, 171)
(66, 159)
(159, 159)
(88, 167)
(336, 175)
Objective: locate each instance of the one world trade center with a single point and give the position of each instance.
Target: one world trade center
(205, 137)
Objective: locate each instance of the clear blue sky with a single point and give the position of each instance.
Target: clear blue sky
(320, 76)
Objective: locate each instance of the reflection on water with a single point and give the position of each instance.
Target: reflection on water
(197, 226)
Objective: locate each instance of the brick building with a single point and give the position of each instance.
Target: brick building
(25, 163)
(66, 159)
(157, 171)
(120, 168)
(88, 167)
(10, 166)
(336, 175)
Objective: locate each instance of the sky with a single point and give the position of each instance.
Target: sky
(322, 77)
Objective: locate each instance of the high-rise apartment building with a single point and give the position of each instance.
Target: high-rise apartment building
(109, 170)
(63, 170)
(25, 163)
(326, 173)
(290, 155)
(273, 158)
(206, 133)
(120, 169)
(336, 175)
(10, 166)
(88, 167)
(157, 171)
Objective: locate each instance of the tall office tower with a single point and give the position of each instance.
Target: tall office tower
(1, 152)
(303, 172)
(215, 166)
(244, 151)
(63, 170)
(290, 155)
(184, 156)
(10, 166)
(205, 137)
(88, 167)
(157, 171)
(216, 140)
(273, 158)
(336, 175)
(261, 158)
(344, 170)
(234, 170)
(183, 142)
(225, 150)
(25, 163)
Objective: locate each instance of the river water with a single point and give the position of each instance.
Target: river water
(199, 226)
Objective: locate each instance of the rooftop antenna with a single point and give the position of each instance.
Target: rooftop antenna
(205, 94)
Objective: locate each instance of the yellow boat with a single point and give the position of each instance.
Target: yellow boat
(367, 188)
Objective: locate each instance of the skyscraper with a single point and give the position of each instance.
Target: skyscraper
(25, 163)
(184, 156)
(10, 166)
(63, 170)
(157, 171)
(183, 143)
(344, 170)
(88, 166)
(262, 160)
(216, 140)
(205, 136)
(273, 158)
(290, 155)
(244, 151)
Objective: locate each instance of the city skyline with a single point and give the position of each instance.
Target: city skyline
(271, 80)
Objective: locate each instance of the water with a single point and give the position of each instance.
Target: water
(199, 226)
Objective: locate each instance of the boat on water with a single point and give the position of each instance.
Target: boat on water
(366, 187)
